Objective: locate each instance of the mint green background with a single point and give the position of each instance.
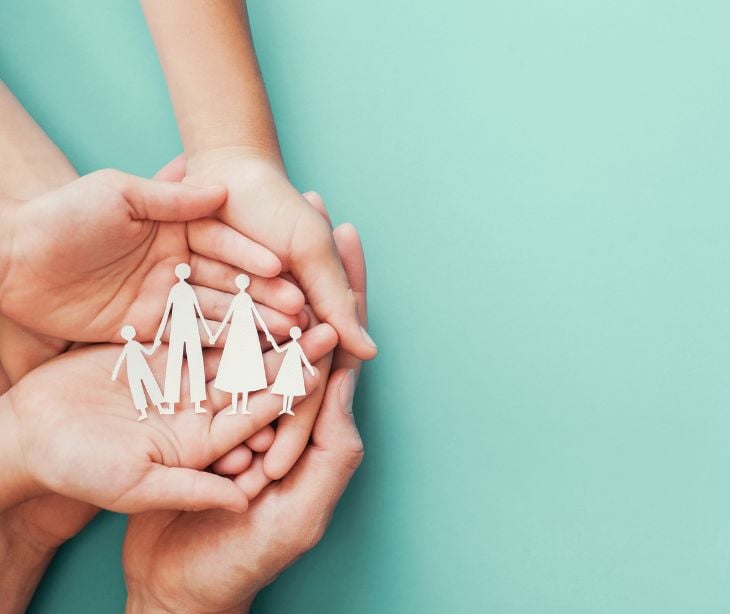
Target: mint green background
(543, 191)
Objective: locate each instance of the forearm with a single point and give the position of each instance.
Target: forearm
(30, 163)
(219, 97)
(22, 565)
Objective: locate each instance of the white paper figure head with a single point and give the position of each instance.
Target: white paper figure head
(242, 281)
(295, 332)
(182, 271)
(128, 332)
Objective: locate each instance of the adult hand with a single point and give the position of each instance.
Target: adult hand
(89, 446)
(98, 253)
(217, 561)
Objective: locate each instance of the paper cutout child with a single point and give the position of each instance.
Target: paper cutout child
(290, 379)
(241, 368)
(184, 339)
(139, 374)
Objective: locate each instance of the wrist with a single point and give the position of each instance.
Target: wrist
(208, 160)
(141, 601)
(16, 482)
(22, 565)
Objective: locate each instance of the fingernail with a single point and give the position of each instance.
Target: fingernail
(347, 392)
(368, 338)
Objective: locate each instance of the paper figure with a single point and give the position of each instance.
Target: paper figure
(139, 374)
(241, 369)
(290, 379)
(184, 338)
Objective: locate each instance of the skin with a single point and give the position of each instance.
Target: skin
(229, 138)
(80, 271)
(100, 454)
(30, 533)
(217, 561)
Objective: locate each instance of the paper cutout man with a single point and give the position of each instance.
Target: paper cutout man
(139, 374)
(184, 339)
(290, 379)
(241, 369)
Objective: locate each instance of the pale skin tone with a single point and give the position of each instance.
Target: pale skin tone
(319, 255)
(31, 165)
(124, 465)
(229, 139)
(217, 561)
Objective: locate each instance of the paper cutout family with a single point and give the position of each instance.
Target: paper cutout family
(241, 368)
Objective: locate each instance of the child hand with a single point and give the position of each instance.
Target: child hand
(264, 206)
(67, 428)
(81, 261)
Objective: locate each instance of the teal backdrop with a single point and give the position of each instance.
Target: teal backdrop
(543, 192)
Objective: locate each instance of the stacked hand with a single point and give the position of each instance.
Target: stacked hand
(78, 262)
(67, 449)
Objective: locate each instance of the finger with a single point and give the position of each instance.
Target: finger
(163, 201)
(215, 304)
(277, 293)
(316, 343)
(351, 254)
(179, 488)
(316, 265)
(292, 432)
(314, 199)
(261, 441)
(216, 240)
(234, 462)
(254, 479)
(318, 480)
(174, 170)
(228, 431)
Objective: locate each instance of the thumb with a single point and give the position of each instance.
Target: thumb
(179, 488)
(165, 201)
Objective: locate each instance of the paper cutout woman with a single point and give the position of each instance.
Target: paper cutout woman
(139, 374)
(184, 338)
(241, 369)
(290, 380)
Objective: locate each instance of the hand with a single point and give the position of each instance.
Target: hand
(89, 446)
(263, 205)
(292, 436)
(100, 252)
(167, 555)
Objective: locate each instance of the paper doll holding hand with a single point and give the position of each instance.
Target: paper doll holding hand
(139, 374)
(241, 369)
(290, 380)
(183, 311)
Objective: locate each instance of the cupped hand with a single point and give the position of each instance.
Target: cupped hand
(79, 434)
(217, 561)
(100, 252)
(263, 205)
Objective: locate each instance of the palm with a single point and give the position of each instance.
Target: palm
(95, 278)
(88, 444)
